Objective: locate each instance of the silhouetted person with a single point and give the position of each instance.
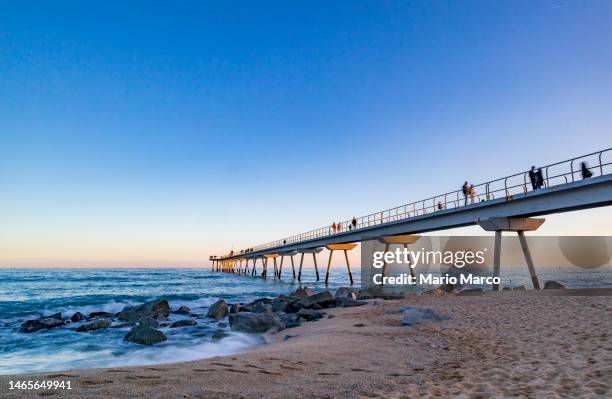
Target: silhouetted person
(532, 178)
(539, 178)
(464, 189)
(440, 207)
(584, 170)
(354, 223)
(284, 242)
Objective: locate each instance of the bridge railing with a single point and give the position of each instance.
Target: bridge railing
(568, 171)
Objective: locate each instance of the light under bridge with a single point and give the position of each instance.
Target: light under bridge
(506, 204)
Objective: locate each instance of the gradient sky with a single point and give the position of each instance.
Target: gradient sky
(156, 134)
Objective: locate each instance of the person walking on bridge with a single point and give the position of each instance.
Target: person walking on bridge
(472, 193)
(584, 170)
(334, 227)
(354, 223)
(465, 189)
(532, 178)
(539, 178)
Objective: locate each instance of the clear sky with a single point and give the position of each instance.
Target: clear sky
(156, 134)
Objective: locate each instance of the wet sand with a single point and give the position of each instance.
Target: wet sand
(507, 344)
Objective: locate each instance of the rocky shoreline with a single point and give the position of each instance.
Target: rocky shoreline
(263, 315)
(260, 316)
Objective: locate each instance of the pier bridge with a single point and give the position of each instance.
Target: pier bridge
(507, 204)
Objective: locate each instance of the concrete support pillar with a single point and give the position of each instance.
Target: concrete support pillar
(530, 266)
(497, 257)
(292, 267)
(301, 263)
(312, 251)
(518, 225)
(339, 247)
(282, 255)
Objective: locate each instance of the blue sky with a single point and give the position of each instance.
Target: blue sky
(157, 134)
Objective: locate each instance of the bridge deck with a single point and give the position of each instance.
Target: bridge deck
(563, 192)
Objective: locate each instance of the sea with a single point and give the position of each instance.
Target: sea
(33, 293)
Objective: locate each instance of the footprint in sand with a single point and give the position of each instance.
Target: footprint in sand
(222, 364)
(268, 372)
(94, 382)
(253, 366)
(60, 375)
(291, 367)
(142, 377)
(237, 371)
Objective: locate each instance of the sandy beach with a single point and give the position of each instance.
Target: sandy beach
(508, 344)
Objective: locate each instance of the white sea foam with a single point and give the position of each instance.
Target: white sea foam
(166, 352)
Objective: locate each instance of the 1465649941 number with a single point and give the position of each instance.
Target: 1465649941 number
(34, 385)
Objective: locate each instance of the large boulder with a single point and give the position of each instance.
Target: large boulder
(302, 292)
(244, 307)
(95, 315)
(310, 314)
(262, 307)
(57, 316)
(158, 309)
(345, 293)
(183, 310)
(290, 320)
(78, 316)
(145, 336)
(95, 325)
(183, 323)
(46, 323)
(413, 316)
(218, 310)
(553, 285)
(282, 303)
(255, 322)
(321, 300)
